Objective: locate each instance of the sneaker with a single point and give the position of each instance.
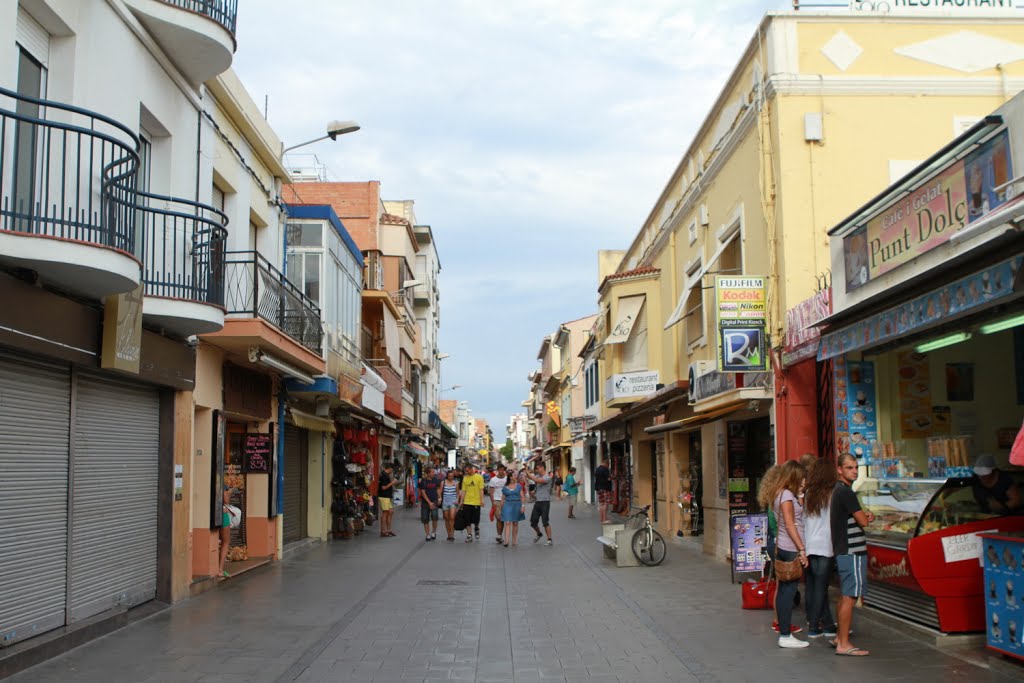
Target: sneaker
(537, 538)
(811, 633)
(498, 540)
(469, 539)
(550, 542)
(427, 539)
(791, 642)
(829, 631)
(793, 628)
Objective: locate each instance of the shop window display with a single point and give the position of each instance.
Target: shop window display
(351, 502)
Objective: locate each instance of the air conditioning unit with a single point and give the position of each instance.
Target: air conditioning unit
(698, 369)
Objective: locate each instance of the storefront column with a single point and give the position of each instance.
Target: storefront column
(181, 518)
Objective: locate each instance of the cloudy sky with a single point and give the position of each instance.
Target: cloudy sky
(530, 134)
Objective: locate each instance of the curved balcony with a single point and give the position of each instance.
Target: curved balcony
(183, 247)
(198, 35)
(67, 196)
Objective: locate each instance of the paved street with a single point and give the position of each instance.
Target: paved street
(399, 609)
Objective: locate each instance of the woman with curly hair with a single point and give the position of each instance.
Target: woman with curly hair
(790, 545)
(821, 480)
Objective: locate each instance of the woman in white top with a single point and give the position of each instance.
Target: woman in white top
(821, 480)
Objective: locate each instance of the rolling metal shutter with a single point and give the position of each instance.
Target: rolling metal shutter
(35, 416)
(114, 502)
(294, 488)
(32, 37)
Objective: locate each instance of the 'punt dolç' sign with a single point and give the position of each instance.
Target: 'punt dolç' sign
(258, 453)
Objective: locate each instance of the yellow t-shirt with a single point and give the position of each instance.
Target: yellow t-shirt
(473, 487)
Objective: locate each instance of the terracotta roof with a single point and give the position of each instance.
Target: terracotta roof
(392, 219)
(642, 270)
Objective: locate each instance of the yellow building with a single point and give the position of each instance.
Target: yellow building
(821, 112)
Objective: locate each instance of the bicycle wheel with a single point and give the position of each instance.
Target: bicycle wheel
(649, 547)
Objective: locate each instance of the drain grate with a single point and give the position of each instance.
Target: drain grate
(440, 582)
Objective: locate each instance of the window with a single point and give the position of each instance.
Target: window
(406, 363)
(304, 272)
(217, 198)
(731, 260)
(693, 310)
(253, 230)
(30, 83)
(304, 235)
(692, 231)
(634, 350)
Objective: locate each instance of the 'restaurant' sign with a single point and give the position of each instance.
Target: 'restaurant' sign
(632, 384)
(938, 7)
(928, 215)
(742, 310)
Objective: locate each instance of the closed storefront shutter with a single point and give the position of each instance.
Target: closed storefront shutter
(294, 483)
(114, 504)
(35, 414)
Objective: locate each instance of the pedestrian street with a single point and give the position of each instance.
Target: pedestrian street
(401, 609)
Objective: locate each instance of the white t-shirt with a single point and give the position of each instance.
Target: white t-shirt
(818, 533)
(495, 485)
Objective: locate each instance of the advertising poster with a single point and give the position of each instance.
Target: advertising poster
(840, 406)
(1003, 561)
(928, 215)
(916, 418)
(749, 534)
(741, 303)
(863, 413)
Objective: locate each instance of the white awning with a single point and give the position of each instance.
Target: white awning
(391, 339)
(311, 422)
(625, 319)
(695, 281)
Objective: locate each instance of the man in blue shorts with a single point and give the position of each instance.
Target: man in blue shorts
(850, 547)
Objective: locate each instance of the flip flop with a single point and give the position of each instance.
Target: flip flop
(853, 652)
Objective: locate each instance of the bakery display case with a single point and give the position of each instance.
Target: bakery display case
(924, 551)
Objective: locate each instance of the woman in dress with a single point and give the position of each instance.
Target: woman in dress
(450, 502)
(513, 509)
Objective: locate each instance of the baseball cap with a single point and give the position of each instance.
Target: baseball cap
(984, 465)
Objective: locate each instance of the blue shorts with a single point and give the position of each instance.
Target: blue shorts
(853, 574)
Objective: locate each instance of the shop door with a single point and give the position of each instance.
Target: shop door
(35, 419)
(115, 435)
(236, 480)
(295, 465)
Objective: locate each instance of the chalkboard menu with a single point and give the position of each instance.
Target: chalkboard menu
(258, 452)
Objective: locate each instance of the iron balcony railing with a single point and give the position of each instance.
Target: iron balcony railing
(224, 12)
(183, 248)
(67, 172)
(256, 288)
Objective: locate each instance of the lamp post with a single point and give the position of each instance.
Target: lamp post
(334, 129)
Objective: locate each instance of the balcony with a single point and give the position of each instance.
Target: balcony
(266, 310)
(183, 258)
(198, 35)
(68, 196)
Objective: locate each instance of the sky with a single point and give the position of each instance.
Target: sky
(530, 134)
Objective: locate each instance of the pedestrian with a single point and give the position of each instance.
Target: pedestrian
(821, 481)
(556, 483)
(471, 498)
(848, 520)
(429, 502)
(789, 546)
(603, 487)
(765, 492)
(225, 530)
(572, 489)
(450, 502)
(513, 510)
(542, 505)
(385, 490)
(494, 492)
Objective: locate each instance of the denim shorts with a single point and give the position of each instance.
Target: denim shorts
(454, 505)
(853, 574)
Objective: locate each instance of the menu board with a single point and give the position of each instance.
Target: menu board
(749, 534)
(258, 452)
(916, 419)
(1003, 561)
(856, 408)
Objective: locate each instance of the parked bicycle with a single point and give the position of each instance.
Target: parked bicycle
(648, 545)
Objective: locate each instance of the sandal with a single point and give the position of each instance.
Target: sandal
(853, 652)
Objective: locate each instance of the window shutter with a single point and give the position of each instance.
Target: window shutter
(32, 37)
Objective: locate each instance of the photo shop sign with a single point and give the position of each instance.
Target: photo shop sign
(928, 215)
(741, 303)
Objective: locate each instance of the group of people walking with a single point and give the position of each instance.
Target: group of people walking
(816, 521)
(457, 497)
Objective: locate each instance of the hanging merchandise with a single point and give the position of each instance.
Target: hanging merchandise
(1017, 452)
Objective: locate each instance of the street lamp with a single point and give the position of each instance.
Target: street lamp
(454, 386)
(334, 129)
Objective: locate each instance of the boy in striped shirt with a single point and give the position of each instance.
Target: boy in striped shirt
(848, 521)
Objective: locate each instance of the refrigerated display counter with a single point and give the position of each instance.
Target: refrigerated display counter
(924, 555)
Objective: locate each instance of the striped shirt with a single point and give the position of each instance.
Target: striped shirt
(847, 536)
(450, 493)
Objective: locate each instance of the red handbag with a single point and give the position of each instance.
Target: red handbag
(759, 593)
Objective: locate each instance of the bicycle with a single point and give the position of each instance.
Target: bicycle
(648, 545)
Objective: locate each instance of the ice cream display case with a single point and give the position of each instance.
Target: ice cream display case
(924, 553)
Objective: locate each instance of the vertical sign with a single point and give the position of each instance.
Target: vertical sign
(217, 470)
(862, 411)
(122, 332)
(741, 306)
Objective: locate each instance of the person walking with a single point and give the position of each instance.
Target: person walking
(495, 486)
(385, 490)
(572, 490)
(848, 520)
(790, 545)
(513, 510)
(821, 481)
(542, 504)
(430, 501)
(603, 487)
(471, 498)
(449, 502)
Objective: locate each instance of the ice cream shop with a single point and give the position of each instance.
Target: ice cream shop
(926, 350)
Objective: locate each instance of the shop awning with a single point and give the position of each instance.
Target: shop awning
(312, 422)
(695, 421)
(625, 319)
(416, 449)
(391, 339)
(697, 280)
